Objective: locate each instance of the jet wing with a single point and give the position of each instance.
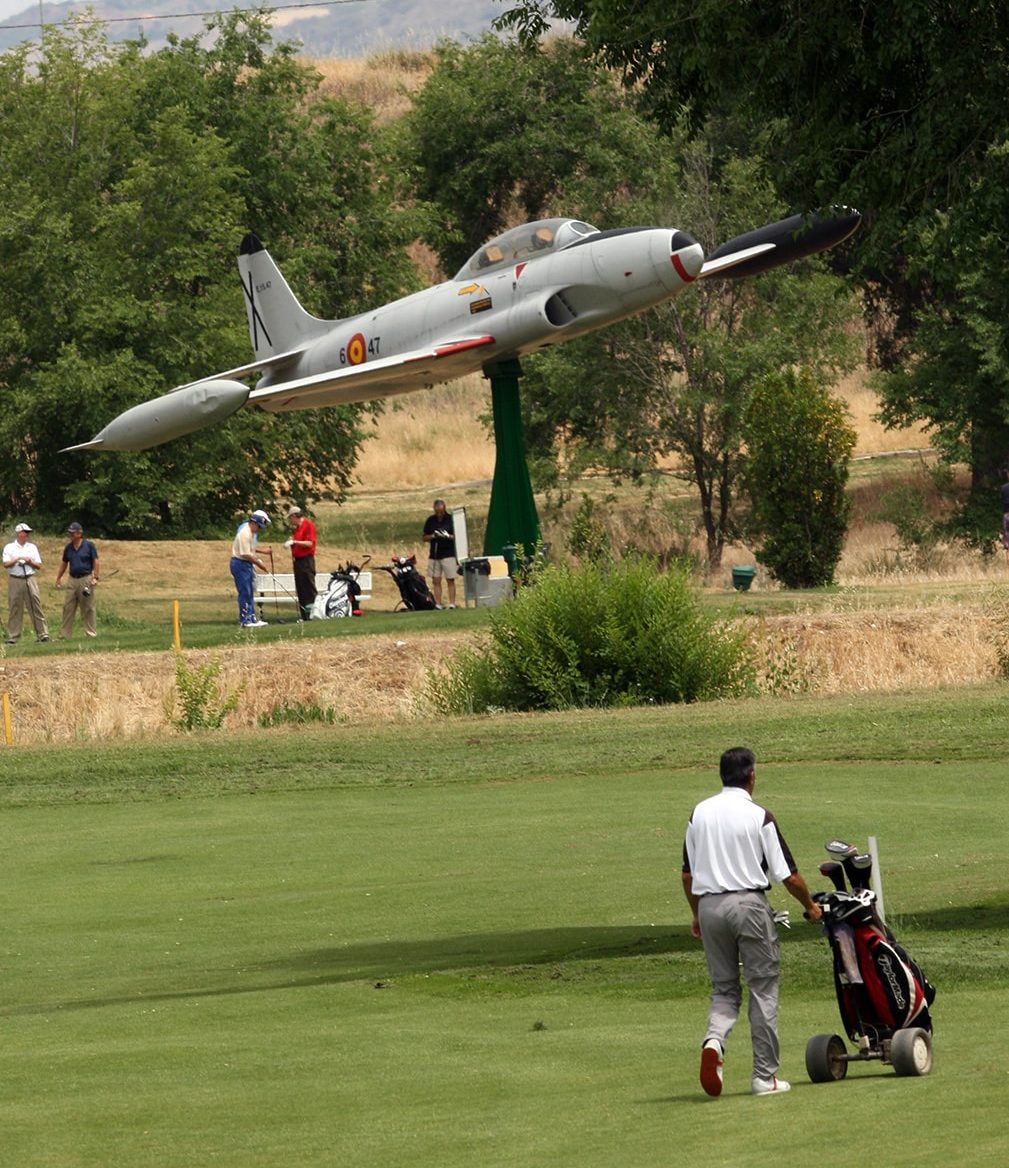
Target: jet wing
(240, 371)
(716, 267)
(370, 379)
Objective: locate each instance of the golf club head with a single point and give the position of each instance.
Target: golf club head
(859, 869)
(834, 873)
(840, 849)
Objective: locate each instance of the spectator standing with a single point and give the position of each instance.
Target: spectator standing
(22, 561)
(302, 545)
(244, 562)
(732, 852)
(80, 556)
(439, 535)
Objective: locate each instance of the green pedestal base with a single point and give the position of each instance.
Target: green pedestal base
(512, 519)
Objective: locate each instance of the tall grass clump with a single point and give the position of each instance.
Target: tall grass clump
(612, 635)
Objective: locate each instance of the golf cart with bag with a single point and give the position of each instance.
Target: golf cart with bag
(413, 590)
(882, 994)
(342, 596)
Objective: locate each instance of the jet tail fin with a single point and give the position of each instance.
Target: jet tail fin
(277, 322)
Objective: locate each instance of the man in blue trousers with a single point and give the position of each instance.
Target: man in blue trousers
(244, 562)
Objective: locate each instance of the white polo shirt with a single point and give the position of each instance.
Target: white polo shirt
(733, 845)
(15, 550)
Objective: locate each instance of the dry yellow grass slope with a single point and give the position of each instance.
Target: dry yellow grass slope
(107, 696)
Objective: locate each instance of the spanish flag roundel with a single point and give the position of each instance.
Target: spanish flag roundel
(356, 349)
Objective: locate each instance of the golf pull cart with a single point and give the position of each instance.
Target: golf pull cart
(882, 994)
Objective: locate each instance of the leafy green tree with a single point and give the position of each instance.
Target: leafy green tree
(799, 441)
(896, 107)
(676, 380)
(128, 180)
(955, 375)
(501, 134)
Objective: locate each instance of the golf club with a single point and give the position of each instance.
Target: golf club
(859, 869)
(282, 587)
(857, 865)
(835, 874)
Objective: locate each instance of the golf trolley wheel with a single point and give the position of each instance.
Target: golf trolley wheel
(826, 1058)
(911, 1051)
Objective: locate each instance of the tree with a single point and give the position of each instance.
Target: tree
(500, 134)
(955, 375)
(894, 107)
(798, 442)
(676, 380)
(126, 183)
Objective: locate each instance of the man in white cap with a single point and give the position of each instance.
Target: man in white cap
(245, 560)
(22, 560)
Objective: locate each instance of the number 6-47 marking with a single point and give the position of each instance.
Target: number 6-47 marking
(358, 349)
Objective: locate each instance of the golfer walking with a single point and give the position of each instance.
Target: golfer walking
(732, 852)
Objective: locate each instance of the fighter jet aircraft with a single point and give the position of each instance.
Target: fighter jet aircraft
(539, 284)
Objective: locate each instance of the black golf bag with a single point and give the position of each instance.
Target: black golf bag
(882, 994)
(413, 589)
(341, 597)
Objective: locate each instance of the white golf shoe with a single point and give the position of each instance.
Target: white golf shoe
(772, 1086)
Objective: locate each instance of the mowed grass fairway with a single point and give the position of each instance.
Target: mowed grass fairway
(466, 943)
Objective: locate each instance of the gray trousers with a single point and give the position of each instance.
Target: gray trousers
(739, 927)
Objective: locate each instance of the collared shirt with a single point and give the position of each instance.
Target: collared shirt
(304, 531)
(245, 541)
(15, 550)
(733, 845)
(82, 560)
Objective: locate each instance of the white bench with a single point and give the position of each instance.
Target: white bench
(278, 587)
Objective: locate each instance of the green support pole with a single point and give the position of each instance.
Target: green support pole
(512, 518)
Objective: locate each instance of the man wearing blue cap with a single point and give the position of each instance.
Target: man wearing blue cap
(244, 562)
(80, 556)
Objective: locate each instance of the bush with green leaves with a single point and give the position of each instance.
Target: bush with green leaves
(619, 635)
(198, 693)
(799, 441)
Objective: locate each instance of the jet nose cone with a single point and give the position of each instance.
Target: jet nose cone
(687, 256)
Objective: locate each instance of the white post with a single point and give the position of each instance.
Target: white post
(461, 533)
(877, 878)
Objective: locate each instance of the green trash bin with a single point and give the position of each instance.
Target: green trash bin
(742, 577)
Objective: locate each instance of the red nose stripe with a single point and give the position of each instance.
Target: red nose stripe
(681, 271)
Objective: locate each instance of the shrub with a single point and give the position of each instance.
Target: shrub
(799, 441)
(198, 693)
(594, 636)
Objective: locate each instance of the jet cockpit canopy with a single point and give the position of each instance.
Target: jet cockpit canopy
(523, 243)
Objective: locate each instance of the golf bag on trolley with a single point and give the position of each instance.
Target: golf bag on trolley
(413, 589)
(882, 994)
(342, 596)
(880, 987)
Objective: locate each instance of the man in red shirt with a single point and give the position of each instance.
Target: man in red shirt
(302, 545)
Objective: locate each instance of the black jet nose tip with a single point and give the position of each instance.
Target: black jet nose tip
(680, 240)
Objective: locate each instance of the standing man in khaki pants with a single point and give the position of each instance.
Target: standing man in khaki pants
(22, 561)
(81, 557)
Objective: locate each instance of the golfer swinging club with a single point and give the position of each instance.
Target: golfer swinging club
(732, 853)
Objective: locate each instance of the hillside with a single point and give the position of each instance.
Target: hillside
(340, 29)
